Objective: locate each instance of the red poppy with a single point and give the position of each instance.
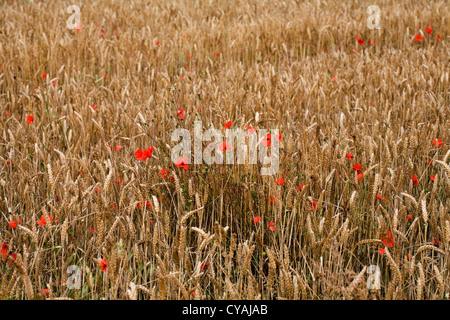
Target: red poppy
(225, 147)
(13, 224)
(44, 291)
(409, 216)
(272, 199)
(389, 238)
(145, 203)
(438, 38)
(94, 107)
(314, 204)
(382, 251)
(414, 179)
(118, 181)
(103, 264)
(164, 172)
(8, 112)
(44, 76)
(436, 241)
(118, 148)
(217, 54)
(300, 187)
(157, 43)
(267, 141)
(256, 219)
(418, 37)
(78, 27)
(378, 197)
(54, 83)
(42, 222)
(30, 119)
(182, 163)
(250, 130)
(333, 79)
(428, 30)
(227, 124)
(357, 167)
(278, 137)
(349, 156)
(372, 42)
(143, 154)
(180, 113)
(433, 178)
(360, 176)
(280, 181)
(438, 142)
(271, 226)
(361, 42)
(408, 256)
(204, 266)
(4, 251)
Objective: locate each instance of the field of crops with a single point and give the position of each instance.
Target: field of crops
(94, 205)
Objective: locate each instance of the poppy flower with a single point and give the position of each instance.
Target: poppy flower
(143, 154)
(118, 181)
(217, 54)
(408, 256)
(8, 112)
(360, 176)
(418, 37)
(225, 147)
(349, 156)
(414, 179)
(409, 216)
(272, 199)
(42, 222)
(182, 163)
(204, 266)
(250, 130)
(433, 178)
(44, 291)
(145, 203)
(118, 148)
(333, 79)
(94, 108)
(280, 181)
(164, 172)
(314, 204)
(103, 264)
(13, 224)
(438, 142)
(436, 241)
(357, 167)
(227, 124)
(378, 197)
(361, 42)
(30, 119)
(267, 141)
(256, 219)
(390, 238)
(382, 251)
(372, 42)
(54, 83)
(78, 27)
(44, 76)
(300, 187)
(428, 30)
(92, 230)
(157, 43)
(438, 38)
(180, 113)
(430, 162)
(271, 226)
(4, 251)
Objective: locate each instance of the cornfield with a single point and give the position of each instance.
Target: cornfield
(93, 207)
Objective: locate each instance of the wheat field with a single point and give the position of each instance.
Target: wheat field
(93, 207)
